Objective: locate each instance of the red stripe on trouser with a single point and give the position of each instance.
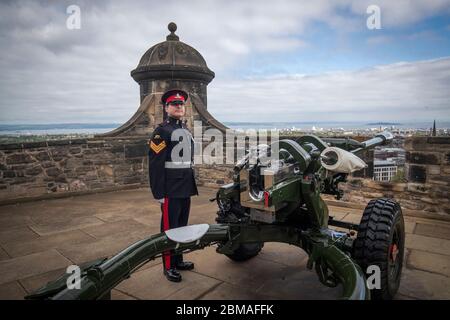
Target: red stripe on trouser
(166, 226)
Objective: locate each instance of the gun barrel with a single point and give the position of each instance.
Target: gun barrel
(379, 139)
(99, 278)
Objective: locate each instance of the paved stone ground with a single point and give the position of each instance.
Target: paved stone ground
(39, 239)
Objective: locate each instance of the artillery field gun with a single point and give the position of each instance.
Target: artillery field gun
(277, 199)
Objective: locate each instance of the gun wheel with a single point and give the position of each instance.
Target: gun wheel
(246, 251)
(381, 242)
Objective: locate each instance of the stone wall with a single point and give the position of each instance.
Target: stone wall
(70, 166)
(56, 168)
(214, 176)
(428, 179)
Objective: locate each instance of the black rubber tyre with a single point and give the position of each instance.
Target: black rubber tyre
(381, 242)
(246, 251)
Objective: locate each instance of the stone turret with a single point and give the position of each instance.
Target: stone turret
(167, 65)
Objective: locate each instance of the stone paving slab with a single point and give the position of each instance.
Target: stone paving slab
(50, 227)
(226, 291)
(409, 226)
(353, 217)
(8, 222)
(427, 221)
(35, 282)
(32, 264)
(44, 243)
(436, 263)
(433, 230)
(57, 212)
(115, 228)
(11, 291)
(4, 255)
(125, 214)
(424, 285)
(117, 295)
(17, 235)
(250, 274)
(202, 286)
(434, 245)
(298, 283)
(151, 284)
(338, 215)
(150, 220)
(104, 247)
(283, 253)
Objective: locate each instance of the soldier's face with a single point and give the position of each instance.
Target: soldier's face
(176, 110)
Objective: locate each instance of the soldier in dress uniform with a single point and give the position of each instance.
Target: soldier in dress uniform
(172, 181)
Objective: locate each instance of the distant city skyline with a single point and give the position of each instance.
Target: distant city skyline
(8, 127)
(274, 61)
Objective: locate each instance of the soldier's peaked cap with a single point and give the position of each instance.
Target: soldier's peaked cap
(174, 95)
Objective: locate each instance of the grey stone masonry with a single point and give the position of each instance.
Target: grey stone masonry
(59, 168)
(70, 166)
(427, 186)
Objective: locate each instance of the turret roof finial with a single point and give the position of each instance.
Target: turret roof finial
(172, 36)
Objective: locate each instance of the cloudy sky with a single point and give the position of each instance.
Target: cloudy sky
(274, 60)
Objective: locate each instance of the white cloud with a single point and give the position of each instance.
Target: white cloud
(52, 74)
(401, 92)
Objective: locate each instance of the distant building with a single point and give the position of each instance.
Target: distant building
(384, 170)
(395, 155)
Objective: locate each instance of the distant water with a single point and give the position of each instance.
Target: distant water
(84, 128)
(29, 132)
(308, 125)
(56, 129)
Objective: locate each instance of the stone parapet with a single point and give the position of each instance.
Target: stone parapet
(427, 186)
(54, 167)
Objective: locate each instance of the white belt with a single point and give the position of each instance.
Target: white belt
(177, 165)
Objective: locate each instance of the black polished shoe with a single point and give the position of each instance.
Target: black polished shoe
(172, 275)
(185, 265)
